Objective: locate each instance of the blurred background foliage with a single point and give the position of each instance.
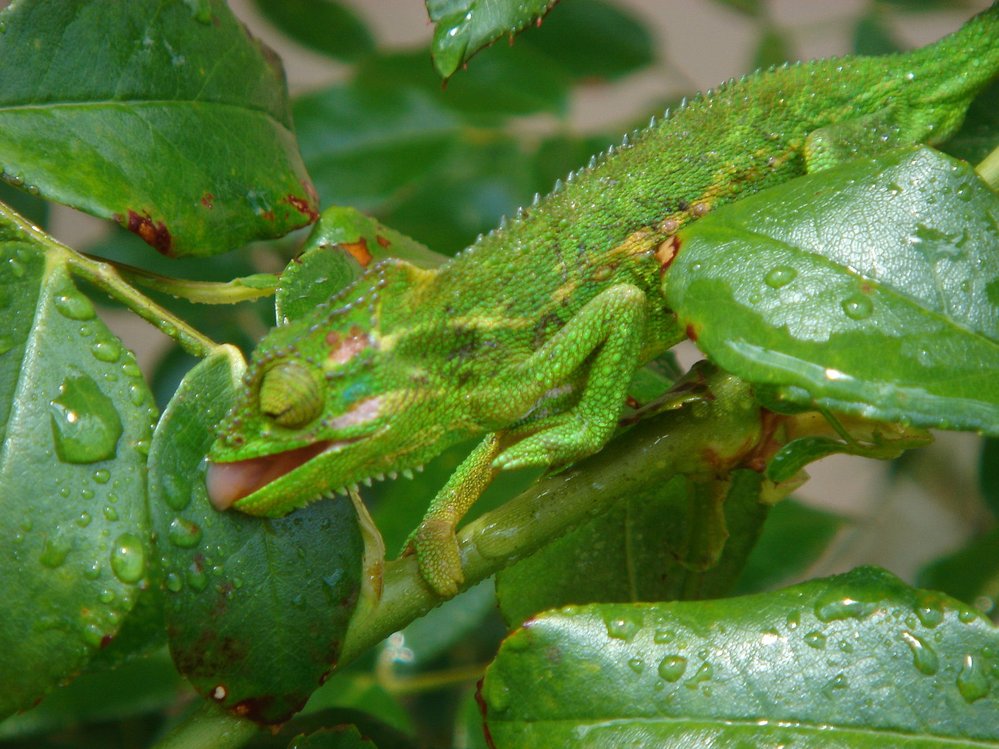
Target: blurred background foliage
(442, 162)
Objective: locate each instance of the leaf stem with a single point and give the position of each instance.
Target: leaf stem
(207, 726)
(988, 169)
(709, 436)
(105, 276)
(237, 290)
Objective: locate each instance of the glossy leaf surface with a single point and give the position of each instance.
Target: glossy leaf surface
(873, 291)
(255, 608)
(857, 660)
(75, 419)
(463, 27)
(174, 119)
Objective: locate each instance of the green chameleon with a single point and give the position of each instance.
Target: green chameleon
(531, 335)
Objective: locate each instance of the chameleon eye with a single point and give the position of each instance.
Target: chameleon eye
(291, 394)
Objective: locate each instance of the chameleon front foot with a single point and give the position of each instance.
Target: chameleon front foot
(433, 541)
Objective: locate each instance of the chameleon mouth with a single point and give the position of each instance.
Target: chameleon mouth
(228, 483)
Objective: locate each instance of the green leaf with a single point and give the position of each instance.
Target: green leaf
(175, 121)
(75, 419)
(681, 540)
(575, 29)
(893, 319)
(772, 49)
(508, 81)
(872, 37)
(323, 25)
(794, 537)
(138, 687)
(362, 146)
(857, 660)
(463, 27)
(970, 574)
(255, 609)
(342, 245)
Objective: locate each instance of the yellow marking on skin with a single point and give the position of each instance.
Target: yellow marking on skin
(488, 322)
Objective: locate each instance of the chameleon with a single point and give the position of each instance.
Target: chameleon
(529, 337)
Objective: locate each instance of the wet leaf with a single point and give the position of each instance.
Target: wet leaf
(175, 120)
(681, 540)
(76, 419)
(857, 660)
(255, 609)
(463, 27)
(897, 321)
(323, 25)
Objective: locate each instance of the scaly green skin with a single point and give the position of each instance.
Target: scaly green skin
(532, 334)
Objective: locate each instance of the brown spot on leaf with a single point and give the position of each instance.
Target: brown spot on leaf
(692, 333)
(699, 209)
(156, 235)
(484, 709)
(382, 241)
(303, 206)
(208, 200)
(666, 252)
(359, 251)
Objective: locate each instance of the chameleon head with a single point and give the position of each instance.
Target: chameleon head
(332, 399)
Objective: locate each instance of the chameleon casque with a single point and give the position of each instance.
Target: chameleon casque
(531, 335)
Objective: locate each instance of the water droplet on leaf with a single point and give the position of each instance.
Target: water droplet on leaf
(622, 628)
(183, 533)
(55, 550)
(106, 351)
(128, 558)
(815, 640)
(972, 682)
(672, 667)
(830, 608)
(857, 307)
(74, 305)
(924, 657)
(780, 276)
(85, 425)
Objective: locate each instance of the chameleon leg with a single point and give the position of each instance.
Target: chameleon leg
(608, 330)
(434, 540)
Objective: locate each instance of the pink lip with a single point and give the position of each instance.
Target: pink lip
(229, 482)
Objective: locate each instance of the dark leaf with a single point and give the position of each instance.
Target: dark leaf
(174, 120)
(255, 609)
